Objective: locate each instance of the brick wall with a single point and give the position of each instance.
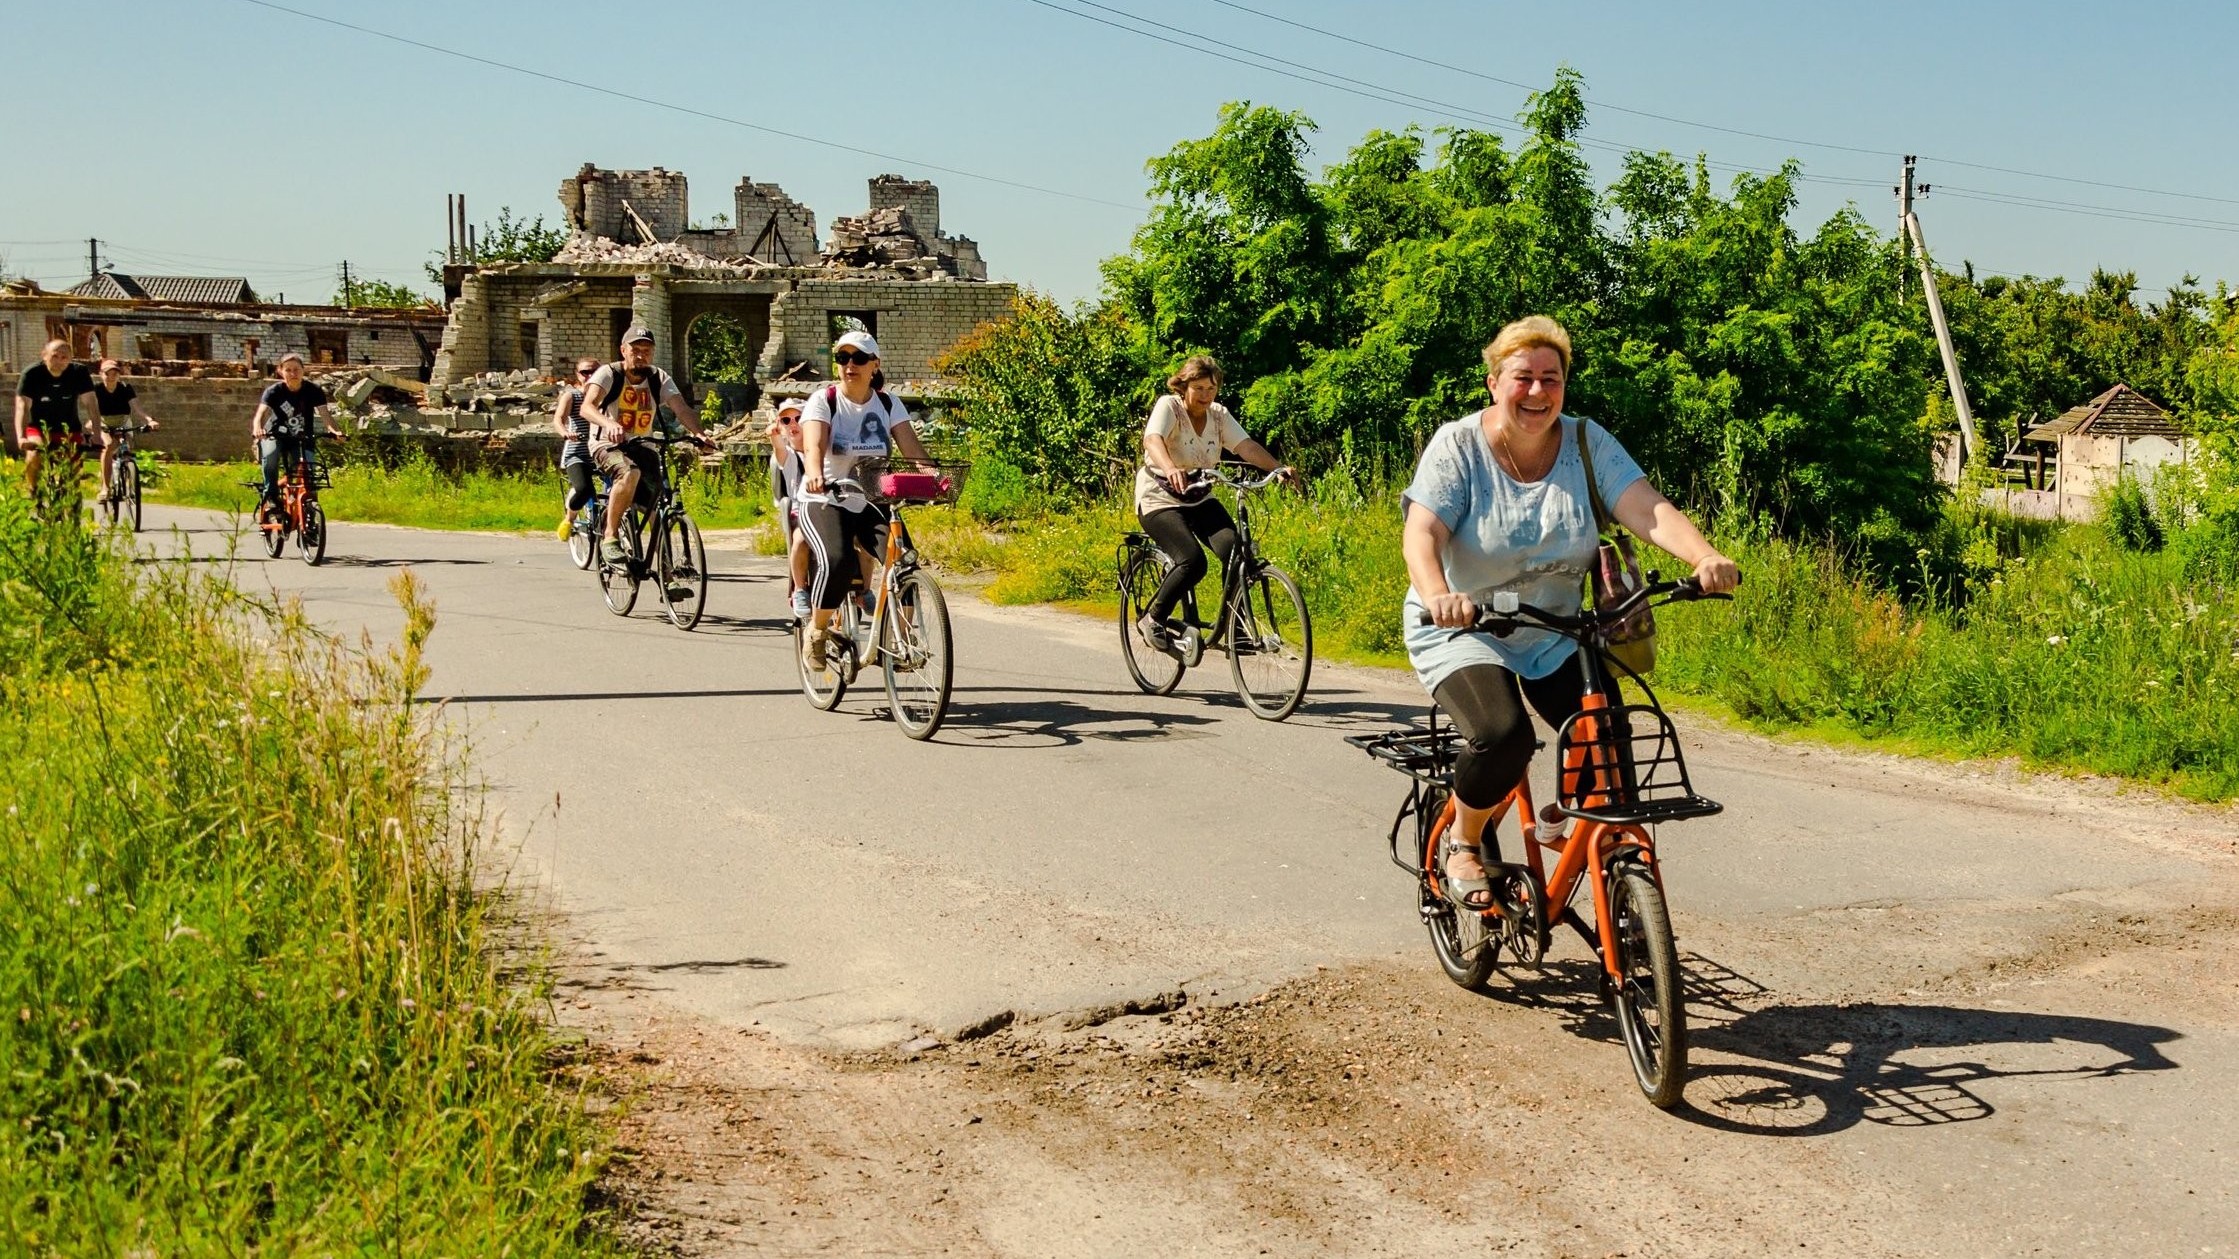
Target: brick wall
(920, 197)
(203, 420)
(659, 196)
(917, 321)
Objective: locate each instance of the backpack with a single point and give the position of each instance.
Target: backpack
(832, 402)
(611, 404)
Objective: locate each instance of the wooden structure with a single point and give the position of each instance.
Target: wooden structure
(2072, 459)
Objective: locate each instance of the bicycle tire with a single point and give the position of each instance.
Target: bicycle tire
(1156, 671)
(583, 536)
(273, 524)
(1650, 992)
(130, 494)
(107, 507)
(1269, 659)
(684, 558)
(311, 543)
(1442, 920)
(618, 583)
(916, 634)
(823, 688)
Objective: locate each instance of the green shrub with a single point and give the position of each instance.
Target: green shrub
(249, 994)
(2129, 516)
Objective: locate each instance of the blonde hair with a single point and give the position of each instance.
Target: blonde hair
(1529, 333)
(1198, 367)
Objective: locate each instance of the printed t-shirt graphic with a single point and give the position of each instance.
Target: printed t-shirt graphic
(631, 404)
(858, 431)
(291, 409)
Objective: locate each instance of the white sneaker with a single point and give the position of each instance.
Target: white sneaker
(800, 603)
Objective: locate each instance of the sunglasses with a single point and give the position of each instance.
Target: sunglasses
(849, 358)
(789, 419)
(586, 371)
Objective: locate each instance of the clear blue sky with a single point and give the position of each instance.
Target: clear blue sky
(219, 137)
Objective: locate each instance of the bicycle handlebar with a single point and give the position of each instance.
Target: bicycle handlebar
(127, 428)
(1193, 477)
(1499, 622)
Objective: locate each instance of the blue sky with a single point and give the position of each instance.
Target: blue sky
(221, 137)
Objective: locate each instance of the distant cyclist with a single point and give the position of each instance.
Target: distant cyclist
(119, 404)
(575, 444)
(621, 400)
(786, 471)
(53, 408)
(1187, 432)
(286, 423)
(853, 419)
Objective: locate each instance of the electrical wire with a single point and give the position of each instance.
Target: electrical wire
(688, 110)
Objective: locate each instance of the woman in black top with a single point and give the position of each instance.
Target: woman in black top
(283, 426)
(119, 404)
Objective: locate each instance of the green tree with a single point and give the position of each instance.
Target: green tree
(379, 293)
(1056, 395)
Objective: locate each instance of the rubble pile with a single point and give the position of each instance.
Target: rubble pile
(582, 248)
(883, 238)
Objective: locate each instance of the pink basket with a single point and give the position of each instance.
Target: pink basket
(924, 486)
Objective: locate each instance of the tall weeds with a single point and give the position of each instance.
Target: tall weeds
(249, 998)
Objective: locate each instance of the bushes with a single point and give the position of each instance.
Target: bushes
(249, 993)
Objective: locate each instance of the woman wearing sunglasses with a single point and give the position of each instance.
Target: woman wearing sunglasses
(575, 444)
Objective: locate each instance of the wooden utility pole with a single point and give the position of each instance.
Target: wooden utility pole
(1916, 240)
(349, 300)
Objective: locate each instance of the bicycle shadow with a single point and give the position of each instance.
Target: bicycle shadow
(1059, 723)
(363, 561)
(719, 623)
(1812, 1069)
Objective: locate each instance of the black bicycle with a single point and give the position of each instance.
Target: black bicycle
(120, 501)
(1262, 623)
(662, 545)
(1620, 773)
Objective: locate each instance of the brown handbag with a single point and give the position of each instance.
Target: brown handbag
(1616, 575)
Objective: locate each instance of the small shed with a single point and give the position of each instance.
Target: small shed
(2092, 446)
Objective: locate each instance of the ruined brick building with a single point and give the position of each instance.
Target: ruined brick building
(636, 257)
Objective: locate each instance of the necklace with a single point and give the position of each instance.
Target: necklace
(1516, 466)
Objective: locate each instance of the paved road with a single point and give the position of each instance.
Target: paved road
(1067, 840)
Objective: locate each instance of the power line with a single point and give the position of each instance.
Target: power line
(1331, 79)
(1709, 126)
(688, 110)
(2096, 212)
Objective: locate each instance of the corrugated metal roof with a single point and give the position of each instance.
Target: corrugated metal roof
(223, 289)
(2119, 412)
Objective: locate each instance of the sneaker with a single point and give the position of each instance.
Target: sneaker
(800, 602)
(1155, 632)
(813, 644)
(566, 528)
(611, 551)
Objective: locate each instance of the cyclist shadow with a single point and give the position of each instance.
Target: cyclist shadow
(1812, 1069)
(362, 561)
(1059, 723)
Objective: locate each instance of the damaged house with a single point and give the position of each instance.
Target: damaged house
(765, 276)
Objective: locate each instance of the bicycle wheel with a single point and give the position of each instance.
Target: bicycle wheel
(106, 507)
(274, 526)
(823, 686)
(618, 582)
(312, 542)
(920, 670)
(128, 491)
(1465, 965)
(684, 575)
(1156, 670)
(583, 535)
(1270, 643)
(1651, 1007)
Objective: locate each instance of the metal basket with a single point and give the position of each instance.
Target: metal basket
(1625, 759)
(913, 481)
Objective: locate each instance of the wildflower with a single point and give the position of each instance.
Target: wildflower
(2056, 640)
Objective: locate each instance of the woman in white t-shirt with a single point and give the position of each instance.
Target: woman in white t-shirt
(1187, 432)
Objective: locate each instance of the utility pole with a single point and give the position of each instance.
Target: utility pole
(93, 258)
(1915, 239)
(349, 299)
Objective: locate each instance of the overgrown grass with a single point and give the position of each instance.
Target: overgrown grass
(250, 1001)
(2080, 655)
(419, 494)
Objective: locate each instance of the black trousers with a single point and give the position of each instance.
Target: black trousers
(1178, 532)
(833, 533)
(578, 475)
(1486, 704)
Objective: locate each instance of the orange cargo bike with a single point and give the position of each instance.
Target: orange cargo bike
(1619, 775)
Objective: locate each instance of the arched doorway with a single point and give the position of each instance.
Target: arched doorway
(720, 351)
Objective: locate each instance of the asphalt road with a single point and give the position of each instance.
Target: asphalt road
(1066, 841)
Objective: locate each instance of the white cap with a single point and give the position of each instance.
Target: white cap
(858, 339)
(789, 404)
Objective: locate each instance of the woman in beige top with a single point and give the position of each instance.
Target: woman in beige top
(1187, 432)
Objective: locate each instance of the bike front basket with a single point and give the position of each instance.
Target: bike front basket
(1622, 765)
(910, 481)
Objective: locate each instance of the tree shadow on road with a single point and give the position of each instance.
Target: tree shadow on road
(1812, 1069)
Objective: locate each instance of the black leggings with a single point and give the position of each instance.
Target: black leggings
(578, 475)
(833, 533)
(1483, 702)
(1178, 530)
